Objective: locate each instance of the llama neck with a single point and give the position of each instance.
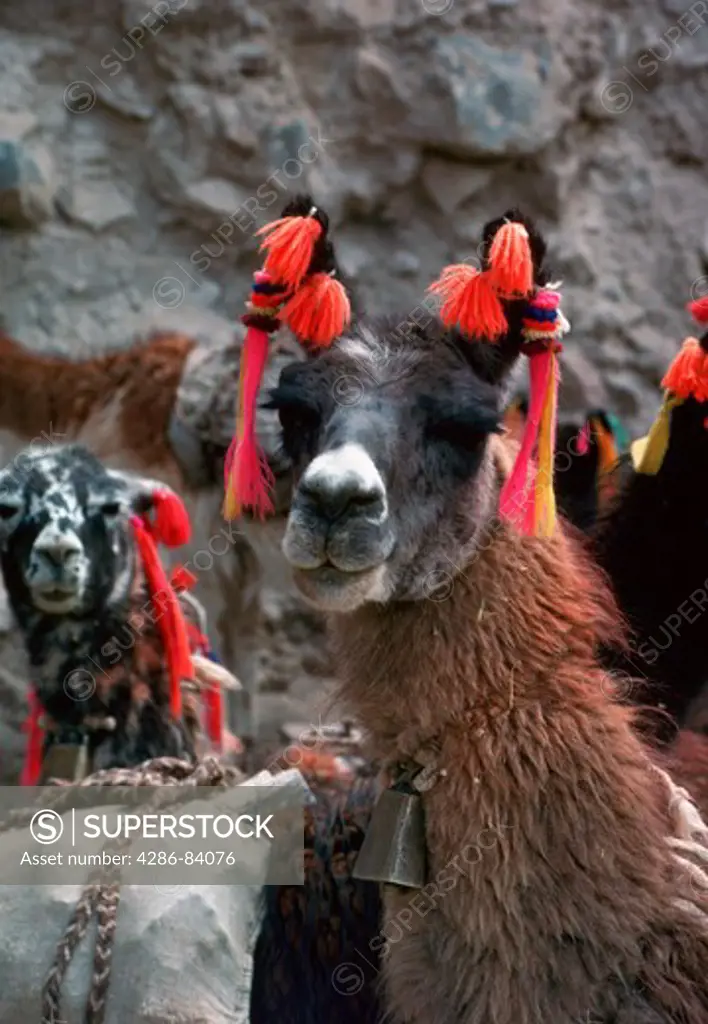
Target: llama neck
(500, 682)
(520, 611)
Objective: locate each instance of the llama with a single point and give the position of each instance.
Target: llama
(164, 409)
(82, 587)
(573, 908)
(652, 542)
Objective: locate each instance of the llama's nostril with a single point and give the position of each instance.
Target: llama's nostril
(343, 481)
(58, 551)
(334, 502)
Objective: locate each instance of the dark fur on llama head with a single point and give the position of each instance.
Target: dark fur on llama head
(388, 429)
(70, 566)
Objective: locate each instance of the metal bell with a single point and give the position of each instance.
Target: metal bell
(394, 850)
(69, 761)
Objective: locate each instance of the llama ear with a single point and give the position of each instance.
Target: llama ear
(157, 505)
(507, 305)
(11, 505)
(300, 286)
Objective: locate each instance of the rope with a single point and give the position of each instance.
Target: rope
(102, 897)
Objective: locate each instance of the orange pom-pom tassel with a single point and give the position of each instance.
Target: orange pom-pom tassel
(687, 377)
(699, 310)
(511, 263)
(470, 301)
(319, 311)
(290, 243)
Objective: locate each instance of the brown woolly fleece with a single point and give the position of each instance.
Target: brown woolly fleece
(554, 898)
(122, 401)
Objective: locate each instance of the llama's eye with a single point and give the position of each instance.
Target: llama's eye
(8, 510)
(458, 433)
(110, 509)
(299, 417)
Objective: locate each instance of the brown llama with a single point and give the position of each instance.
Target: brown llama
(164, 409)
(469, 651)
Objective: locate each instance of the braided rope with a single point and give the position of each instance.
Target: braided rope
(102, 897)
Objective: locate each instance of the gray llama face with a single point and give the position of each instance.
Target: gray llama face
(393, 479)
(65, 545)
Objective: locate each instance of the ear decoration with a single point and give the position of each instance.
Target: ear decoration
(608, 455)
(510, 261)
(583, 443)
(472, 298)
(182, 581)
(686, 377)
(290, 244)
(32, 767)
(171, 526)
(527, 498)
(298, 286)
(171, 624)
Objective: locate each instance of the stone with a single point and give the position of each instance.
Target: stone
(15, 125)
(215, 197)
(485, 100)
(125, 97)
(352, 258)
(582, 385)
(375, 78)
(96, 205)
(450, 183)
(232, 124)
(27, 185)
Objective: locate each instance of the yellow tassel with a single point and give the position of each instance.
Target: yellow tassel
(648, 452)
(232, 506)
(545, 498)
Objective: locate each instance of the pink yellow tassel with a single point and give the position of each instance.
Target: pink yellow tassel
(528, 499)
(247, 475)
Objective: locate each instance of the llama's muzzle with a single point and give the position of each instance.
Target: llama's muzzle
(56, 570)
(338, 535)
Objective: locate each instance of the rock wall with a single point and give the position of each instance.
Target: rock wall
(142, 144)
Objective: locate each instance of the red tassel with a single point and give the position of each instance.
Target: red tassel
(182, 579)
(290, 242)
(470, 301)
(247, 475)
(319, 311)
(32, 766)
(687, 376)
(171, 623)
(214, 724)
(699, 310)
(171, 524)
(511, 262)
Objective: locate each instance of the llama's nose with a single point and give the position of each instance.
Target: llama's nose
(57, 548)
(344, 481)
